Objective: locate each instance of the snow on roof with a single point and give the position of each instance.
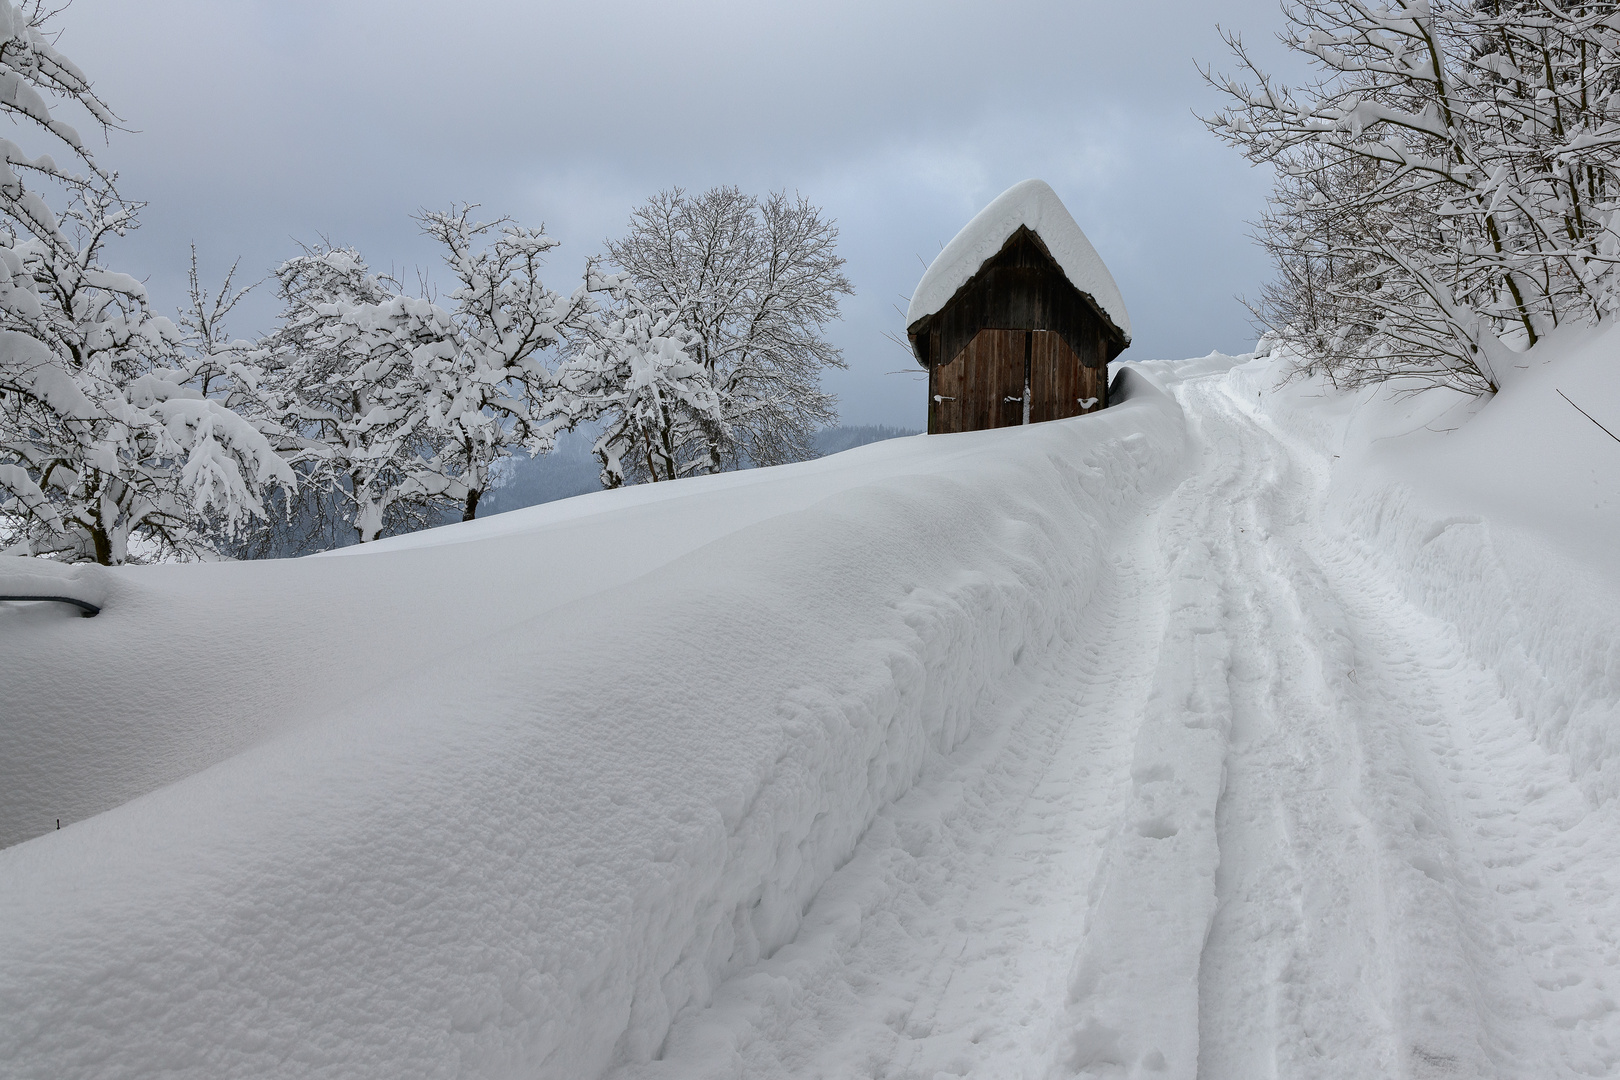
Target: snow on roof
(1035, 204)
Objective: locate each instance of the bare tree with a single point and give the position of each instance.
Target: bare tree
(1445, 192)
(756, 281)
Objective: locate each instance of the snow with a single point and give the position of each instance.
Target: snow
(22, 577)
(1241, 729)
(1031, 203)
(520, 798)
(1499, 517)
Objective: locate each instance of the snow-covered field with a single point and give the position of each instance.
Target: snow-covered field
(1231, 732)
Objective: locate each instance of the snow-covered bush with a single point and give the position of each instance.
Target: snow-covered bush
(756, 281)
(1446, 191)
(109, 434)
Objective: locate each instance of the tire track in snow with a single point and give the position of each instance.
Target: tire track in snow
(1422, 795)
(1258, 818)
(1291, 977)
(1235, 932)
(1340, 947)
(1499, 838)
(1348, 891)
(1133, 990)
(944, 945)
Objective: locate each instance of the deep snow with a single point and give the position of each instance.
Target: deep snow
(507, 796)
(1223, 733)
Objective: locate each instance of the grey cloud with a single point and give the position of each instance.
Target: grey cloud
(259, 123)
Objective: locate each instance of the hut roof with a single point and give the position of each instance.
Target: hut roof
(1034, 204)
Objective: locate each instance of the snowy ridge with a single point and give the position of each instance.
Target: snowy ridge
(569, 824)
(1030, 203)
(1542, 622)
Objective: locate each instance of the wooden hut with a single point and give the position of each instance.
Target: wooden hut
(1017, 319)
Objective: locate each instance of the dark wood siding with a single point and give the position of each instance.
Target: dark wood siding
(983, 387)
(1059, 383)
(1021, 288)
(1018, 318)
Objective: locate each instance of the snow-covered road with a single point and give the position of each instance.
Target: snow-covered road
(1257, 816)
(1167, 742)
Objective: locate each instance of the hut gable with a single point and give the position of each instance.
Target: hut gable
(1017, 319)
(1034, 206)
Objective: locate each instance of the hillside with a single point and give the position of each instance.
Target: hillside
(1232, 731)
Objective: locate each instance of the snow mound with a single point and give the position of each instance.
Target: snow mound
(1034, 204)
(505, 798)
(25, 577)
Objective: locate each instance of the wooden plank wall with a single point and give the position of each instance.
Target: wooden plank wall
(1018, 320)
(1059, 383)
(983, 387)
(1019, 288)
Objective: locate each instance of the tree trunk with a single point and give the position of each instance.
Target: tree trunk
(103, 545)
(471, 510)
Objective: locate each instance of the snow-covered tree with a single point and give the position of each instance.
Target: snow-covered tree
(489, 377)
(103, 439)
(1447, 188)
(409, 403)
(634, 371)
(343, 376)
(756, 282)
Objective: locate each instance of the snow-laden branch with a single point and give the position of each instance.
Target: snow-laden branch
(1448, 182)
(116, 427)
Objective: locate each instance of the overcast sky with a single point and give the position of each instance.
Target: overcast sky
(256, 124)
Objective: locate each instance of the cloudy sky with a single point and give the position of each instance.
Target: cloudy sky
(255, 124)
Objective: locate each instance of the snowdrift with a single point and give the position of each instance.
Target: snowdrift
(1500, 516)
(500, 799)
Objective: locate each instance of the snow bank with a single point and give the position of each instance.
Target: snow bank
(1034, 204)
(503, 798)
(24, 577)
(1499, 517)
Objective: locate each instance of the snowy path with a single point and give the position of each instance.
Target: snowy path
(1258, 817)
(1090, 749)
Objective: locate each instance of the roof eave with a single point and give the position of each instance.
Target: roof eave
(921, 325)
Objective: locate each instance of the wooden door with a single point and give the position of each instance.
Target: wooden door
(1061, 385)
(983, 387)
